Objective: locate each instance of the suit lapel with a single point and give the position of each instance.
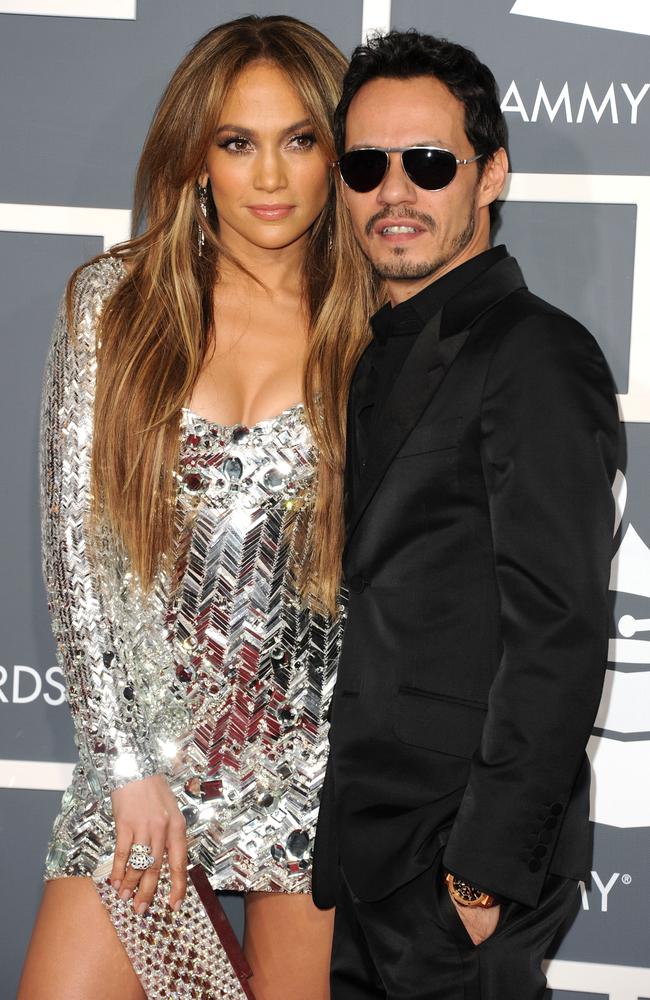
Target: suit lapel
(433, 353)
(416, 384)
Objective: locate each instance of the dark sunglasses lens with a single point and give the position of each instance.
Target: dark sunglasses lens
(363, 169)
(431, 169)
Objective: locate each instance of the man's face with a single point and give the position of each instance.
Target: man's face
(442, 227)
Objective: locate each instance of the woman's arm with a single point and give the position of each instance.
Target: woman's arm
(109, 639)
(80, 566)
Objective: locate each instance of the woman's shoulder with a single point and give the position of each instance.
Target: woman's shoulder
(94, 282)
(75, 327)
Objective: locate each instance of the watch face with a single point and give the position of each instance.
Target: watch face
(466, 891)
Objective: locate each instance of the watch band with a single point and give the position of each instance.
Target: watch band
(466, 894)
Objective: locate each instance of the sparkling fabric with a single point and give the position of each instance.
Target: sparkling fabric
(219, 677)
(176, 955)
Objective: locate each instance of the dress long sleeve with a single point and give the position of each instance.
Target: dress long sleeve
(101, 622)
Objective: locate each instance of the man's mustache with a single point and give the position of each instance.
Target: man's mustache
(404, 213)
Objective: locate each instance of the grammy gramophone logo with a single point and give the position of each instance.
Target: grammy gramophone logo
(620, 747)
(630, 575)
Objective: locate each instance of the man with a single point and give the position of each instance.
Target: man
(482, 445)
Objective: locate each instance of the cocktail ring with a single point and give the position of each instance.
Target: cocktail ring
(140, 857)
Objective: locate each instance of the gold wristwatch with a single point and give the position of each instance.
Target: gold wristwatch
(466, 894)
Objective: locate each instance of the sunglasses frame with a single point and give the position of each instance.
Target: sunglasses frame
(387, 150)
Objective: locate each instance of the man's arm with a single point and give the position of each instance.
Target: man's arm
(549, 448)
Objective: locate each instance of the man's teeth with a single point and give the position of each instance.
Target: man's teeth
(394, 230)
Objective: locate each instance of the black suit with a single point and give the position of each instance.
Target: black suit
(480, 521)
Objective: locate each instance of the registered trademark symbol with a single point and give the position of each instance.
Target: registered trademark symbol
(626, 879)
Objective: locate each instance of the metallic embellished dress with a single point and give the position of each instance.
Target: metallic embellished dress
(219, 677)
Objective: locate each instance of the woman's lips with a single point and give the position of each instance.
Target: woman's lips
(271, 212)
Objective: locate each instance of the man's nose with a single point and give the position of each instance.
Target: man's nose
(396, 187)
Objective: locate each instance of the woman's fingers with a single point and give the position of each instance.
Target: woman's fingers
(177, 857)
(132, 876)
(149, 879)
(121, 856)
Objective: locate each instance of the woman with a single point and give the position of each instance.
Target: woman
(192, 528)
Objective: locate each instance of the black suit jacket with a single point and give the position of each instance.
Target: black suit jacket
(477, 560)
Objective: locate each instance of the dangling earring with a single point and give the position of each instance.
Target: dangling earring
(203, 202)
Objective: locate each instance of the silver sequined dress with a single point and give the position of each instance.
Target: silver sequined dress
(218, 678)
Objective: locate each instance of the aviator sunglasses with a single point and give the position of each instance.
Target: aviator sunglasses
(428, 167)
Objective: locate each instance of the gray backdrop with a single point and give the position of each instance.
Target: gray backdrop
(78, 84)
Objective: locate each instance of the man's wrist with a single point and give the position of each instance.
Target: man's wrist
(466, 894)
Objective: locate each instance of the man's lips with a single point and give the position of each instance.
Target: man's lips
(398, 230)
(271, 212)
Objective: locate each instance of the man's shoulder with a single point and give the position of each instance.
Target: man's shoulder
(525, 323)
(523, 308)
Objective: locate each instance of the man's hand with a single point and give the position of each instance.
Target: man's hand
(479, 923)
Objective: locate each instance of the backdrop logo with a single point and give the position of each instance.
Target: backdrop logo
(620, 750)
(624, 15)
(597, 898)
(602, 189)
(630, 575)
(611, 104)
(20, 685)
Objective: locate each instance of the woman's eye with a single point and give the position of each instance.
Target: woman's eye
(238, 144)
(303, 141)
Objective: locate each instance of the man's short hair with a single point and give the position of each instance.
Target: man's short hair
(401, 55)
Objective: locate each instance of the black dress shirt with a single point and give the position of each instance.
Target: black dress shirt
(396, 328)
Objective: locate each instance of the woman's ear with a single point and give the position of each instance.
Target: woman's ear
(203, 178)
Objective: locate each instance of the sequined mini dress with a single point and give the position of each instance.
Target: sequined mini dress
(218, 677)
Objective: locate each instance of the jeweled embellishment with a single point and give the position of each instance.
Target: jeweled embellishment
(196, 653)
(193, 481)
(233, 468)
(273, 479)
(176, 955)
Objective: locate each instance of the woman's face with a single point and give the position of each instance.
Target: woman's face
(269, 178)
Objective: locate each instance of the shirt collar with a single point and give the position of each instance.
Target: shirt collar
(410, 316)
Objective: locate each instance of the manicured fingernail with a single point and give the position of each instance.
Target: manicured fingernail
(141, 908)
(117, 884)
(125, 894)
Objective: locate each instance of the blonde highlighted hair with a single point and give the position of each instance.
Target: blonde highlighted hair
(155, 329)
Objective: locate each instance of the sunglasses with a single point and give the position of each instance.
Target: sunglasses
(428, 167)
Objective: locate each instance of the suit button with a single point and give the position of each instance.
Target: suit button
(551, 823)
(357, 584)
(556, 808)
(534, 866)
(540, 851)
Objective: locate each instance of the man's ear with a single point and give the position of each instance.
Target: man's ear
(493, 178)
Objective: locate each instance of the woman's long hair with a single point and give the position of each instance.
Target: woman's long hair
(155, 329)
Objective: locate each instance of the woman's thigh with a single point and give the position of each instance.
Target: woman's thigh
(288, 942)
(74, 952)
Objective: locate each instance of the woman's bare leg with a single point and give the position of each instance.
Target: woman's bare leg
(288, 942)
(74, 953)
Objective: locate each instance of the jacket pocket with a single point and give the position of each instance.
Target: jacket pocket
(435, 722)
(427, 438)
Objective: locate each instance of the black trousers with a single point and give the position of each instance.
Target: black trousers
(414, 946)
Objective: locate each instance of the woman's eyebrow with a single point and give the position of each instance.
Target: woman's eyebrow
(251, 133)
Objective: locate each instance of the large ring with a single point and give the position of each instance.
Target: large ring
(140, 857)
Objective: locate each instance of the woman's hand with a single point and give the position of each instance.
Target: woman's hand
(146, 812)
